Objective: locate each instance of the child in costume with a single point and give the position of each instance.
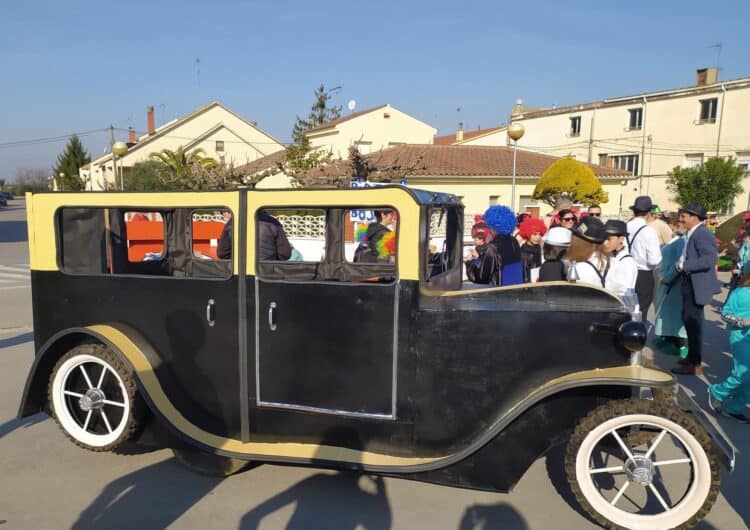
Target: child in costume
(531, 230)
(501, 263)
(733, 394)
(556, 244)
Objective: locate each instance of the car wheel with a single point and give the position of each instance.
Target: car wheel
(205, 463)
(93, 398)
(667, 476)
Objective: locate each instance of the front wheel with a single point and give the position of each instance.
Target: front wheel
(642, 464)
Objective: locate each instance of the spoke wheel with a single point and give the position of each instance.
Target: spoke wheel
(642, 464)
(93, 398)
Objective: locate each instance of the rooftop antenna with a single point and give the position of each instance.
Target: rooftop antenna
(351, 105)
(198, 70)
(718, 46)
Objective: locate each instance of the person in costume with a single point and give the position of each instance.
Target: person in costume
(697, 264)
(623, 271)
(531, 230)
(671, 336)
(643, 245)
(732, 395)
(481, 234)
(377, 242)
(587, 254)
(556, 244)
(501, 263)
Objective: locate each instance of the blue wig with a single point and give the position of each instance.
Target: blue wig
(501, 219)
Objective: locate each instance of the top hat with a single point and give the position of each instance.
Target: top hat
(590, 229)
(694, 209)
(642, 204)
(613, 227)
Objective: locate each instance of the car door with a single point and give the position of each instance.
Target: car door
(325, 327)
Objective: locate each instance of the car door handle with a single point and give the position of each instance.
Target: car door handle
(272, 316)
(211, 313)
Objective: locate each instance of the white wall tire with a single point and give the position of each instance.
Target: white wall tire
(92, 394)
(676, 491)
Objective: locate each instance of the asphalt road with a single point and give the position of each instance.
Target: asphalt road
(47, 482)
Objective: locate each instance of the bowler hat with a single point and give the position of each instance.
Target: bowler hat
(642, 204)
(694, 209)
(614, 227)
(590, 229)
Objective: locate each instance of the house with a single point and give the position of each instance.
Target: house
(370, 130)
(221, 134)
(480, 175)
(493, 136)
(648, 134)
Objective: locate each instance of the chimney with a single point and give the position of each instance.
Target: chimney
(131, 135)
(150, 117)
(706, 76)
(460, 132)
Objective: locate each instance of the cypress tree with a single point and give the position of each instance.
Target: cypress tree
(68, 164)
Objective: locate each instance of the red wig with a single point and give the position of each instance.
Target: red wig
(531, 225)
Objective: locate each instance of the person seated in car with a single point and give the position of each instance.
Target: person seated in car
(378, 243)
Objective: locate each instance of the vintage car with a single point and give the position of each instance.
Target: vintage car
(393, 367)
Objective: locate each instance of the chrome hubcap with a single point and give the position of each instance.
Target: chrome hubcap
(93, 399)
(639, 469)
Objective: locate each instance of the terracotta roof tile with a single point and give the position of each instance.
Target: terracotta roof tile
(459, 161)
(263, 163)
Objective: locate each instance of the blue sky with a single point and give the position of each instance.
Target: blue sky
(79, 66)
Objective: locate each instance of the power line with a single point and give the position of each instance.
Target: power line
(49, 139)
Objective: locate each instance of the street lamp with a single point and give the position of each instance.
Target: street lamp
(515, 132)
(119, 149)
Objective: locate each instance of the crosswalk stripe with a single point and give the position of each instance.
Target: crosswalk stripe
(15, 268)
(4, 275)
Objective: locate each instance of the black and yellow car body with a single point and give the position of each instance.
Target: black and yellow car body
(412, 375)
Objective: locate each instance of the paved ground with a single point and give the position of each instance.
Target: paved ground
(47, 482)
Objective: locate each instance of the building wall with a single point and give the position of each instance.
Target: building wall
(497, 138)
(374, 131)
(242, 143)
(671, 130)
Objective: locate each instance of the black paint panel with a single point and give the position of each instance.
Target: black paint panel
(332, 348)
(199, 364)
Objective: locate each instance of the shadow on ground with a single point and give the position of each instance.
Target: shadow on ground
(11, 425)
(23, 338)
(718, 363)
(13, 231)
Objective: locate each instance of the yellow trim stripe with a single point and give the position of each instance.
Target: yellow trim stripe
(145, 371)
(291, 450)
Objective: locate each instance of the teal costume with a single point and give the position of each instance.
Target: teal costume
(743, 258)
(669, 304)
(734, 391)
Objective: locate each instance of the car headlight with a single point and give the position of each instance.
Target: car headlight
(632, 335)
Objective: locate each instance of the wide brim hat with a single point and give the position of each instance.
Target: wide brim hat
(694, 209)
(614, 227)
(558, 236)
(590, 229)
(642, 204)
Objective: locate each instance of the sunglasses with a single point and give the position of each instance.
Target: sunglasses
(595, 214)
(571, 219)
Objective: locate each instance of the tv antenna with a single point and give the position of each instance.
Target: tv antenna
(351, 105)
(718, 46)
(198, 70)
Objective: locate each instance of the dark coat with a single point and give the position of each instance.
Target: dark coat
(700, 265)
(272, 242)
(224, 248)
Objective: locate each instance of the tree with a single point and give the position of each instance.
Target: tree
(713, 185)
(300, 156)
(570, 178)
(146, 176)
(177, 166)
(33, 180)
(68, 163)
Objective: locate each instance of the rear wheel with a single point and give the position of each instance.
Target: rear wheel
(666, 476)
(93, 398)
(210, 464)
